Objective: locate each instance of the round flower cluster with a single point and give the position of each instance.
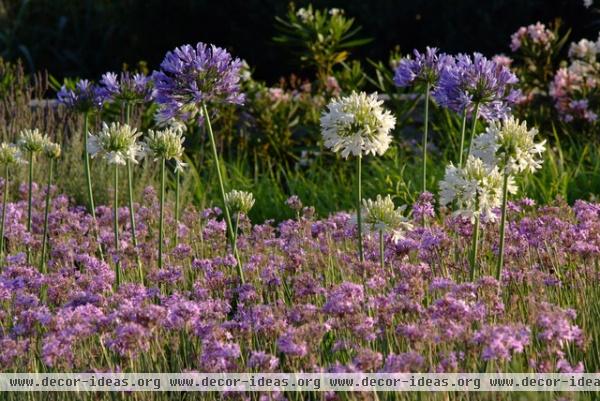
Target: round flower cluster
(126, 87)
(9, 154)
(32, 141)
(423, 68)
(511, 145)
(476, 189)
(117, 143)
(477, 81)
(190, 77)
(84, 97)
(239, 201)
(357, 125)
(381, 215)
(535, 35)
(166, 144)
(52, 150)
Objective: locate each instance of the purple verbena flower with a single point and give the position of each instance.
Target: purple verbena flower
(500, 342)
(263, 362)
(404, 363)
(344, 299)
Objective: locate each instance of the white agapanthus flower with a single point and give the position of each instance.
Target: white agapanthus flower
(476, 189)
(166, 143)
(116, 143)
(9, 154)
(52, 150)
(358, 125)
(510, 145)
(588, 3)
(32, 141)
(382, 215)
(239, 201)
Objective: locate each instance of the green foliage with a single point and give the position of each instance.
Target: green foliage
(322, 39)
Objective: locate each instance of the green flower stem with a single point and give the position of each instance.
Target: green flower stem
(29, 202)
(222, 187)
(162, 213)
(86, 157)
(4, 202)
(473, 127)
(474, 248)
(381, 249)
(116, 226)
(462, 139)
(46, 212)
(358, 207)
(131, 209)
(127, 112)
(177, 205)
(235, 228)
(132, 219)
(502, 227)
(425, 132)
(88, 178)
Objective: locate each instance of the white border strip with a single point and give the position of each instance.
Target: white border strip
(250, 382)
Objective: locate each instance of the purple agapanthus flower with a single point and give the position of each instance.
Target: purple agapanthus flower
(424, 68)
(85, 97)
(126, 87)
(476, 80)
(192, 76)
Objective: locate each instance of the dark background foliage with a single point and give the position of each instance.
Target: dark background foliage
(86, 38)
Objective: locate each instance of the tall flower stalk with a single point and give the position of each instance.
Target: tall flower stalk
(189, 79)
(474, 249)
(161, 229)
(128, 89)
(463, 130)
(357, 125)
(475, 190)
(10, 155)
(361, 254)
(31, 143)
(164, 145)
(222, 191)
(422, 70)
(476, 86)
(117, 144)
(473, 127)
(502, 227)
(177, 202)
(511, 146)
(85, 98)
(116, 225)
(425, 134)
(129, 167)
(52, 152)
(86, 166)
